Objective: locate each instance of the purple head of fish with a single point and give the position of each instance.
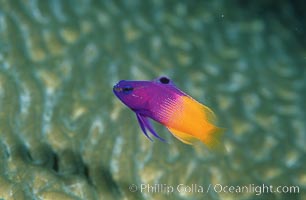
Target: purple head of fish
(144, 95)
(132, 93)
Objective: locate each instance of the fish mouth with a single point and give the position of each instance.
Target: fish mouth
(116, 88)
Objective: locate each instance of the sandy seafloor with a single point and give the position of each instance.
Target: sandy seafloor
(64, 135)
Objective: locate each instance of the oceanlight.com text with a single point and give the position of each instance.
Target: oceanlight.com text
(217, 188)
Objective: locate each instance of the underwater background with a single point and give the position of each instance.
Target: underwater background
(64, 135)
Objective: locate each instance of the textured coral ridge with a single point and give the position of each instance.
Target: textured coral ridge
(63, 135)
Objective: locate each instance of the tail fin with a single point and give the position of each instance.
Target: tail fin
(213, 139)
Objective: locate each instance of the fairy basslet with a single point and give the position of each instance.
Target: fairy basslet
(187, 119)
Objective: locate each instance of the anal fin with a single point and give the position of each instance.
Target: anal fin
(184, 137)
(211, 139)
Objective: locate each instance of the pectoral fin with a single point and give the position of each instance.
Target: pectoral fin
(145, 125)
(142, 126)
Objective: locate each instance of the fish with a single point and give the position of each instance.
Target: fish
(160, 100)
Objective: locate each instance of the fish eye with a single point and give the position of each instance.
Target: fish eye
(127, 89)
(164, 80)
